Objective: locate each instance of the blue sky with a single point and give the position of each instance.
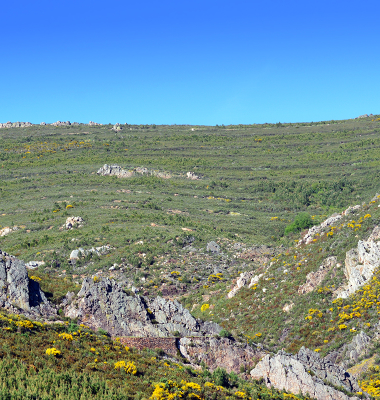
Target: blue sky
(189, 62)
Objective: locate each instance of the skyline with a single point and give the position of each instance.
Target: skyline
(198, 63)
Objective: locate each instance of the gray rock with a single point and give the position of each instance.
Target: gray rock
(293, 373)
(218, 352)
(34, 264)
(17, 291)
(102, 303)
(213, 247)
(356, 348)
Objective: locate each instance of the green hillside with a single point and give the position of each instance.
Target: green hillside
(259, 188)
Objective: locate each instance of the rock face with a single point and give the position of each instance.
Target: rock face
(218, 352)
(305, 373)
(360, 264)
(104, 304)
(314, 279)
(19, 292)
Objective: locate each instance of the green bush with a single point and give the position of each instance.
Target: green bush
(225, 334)
(302, 221)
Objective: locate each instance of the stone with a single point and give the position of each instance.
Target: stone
(314, 279)
(7, 230)
(34, 264)
(116, 170)
(288, 307)
(75, 254)
(242, 281)
(293, 373)
(192, 176)
(73, 222)
(213, 247)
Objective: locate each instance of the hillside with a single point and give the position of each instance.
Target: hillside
(162, 231)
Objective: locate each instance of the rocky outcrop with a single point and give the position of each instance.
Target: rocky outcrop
(116, 170)
(305, 373)
(314, 279)
(213, 247)
(192, 175)
(358, 347)
(360, 264)
(102, 303)
(16, 124)
(219, 352)
(18, 293)
(117, 127)
(73, 222)
(317, 229)
(7, 230)
(75, 254)
(60, 123)
(243, 280)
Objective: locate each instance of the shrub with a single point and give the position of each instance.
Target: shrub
(302, 221)
(225, 334)
(221, 377)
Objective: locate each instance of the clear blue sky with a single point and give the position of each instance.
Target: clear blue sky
(189, 62)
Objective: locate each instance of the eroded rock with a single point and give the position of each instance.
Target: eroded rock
(102, 303)
(219, 352)
(305, 373)
(17, 291)
(360, 264)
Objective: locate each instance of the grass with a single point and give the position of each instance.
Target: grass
(255, 180)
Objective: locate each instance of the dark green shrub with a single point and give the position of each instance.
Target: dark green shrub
(225, 334)
(220, 376)
(302, 221)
